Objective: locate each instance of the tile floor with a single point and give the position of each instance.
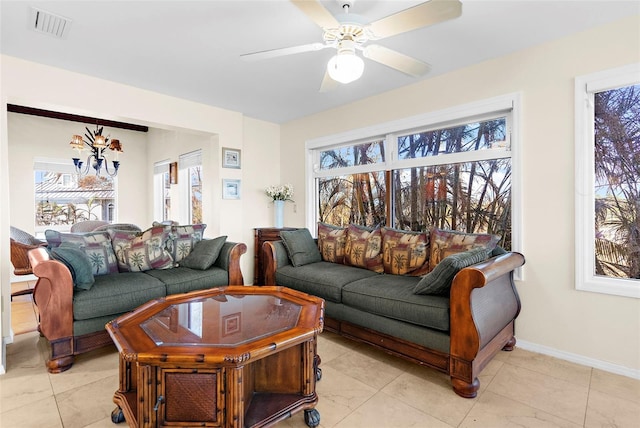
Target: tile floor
(360, 387)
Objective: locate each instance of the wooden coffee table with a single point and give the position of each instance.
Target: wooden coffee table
(232, 356)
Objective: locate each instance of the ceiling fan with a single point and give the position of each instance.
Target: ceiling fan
(348, 33)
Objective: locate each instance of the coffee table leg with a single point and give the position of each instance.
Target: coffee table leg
(312, 418)
(117, 416)
(316, 364)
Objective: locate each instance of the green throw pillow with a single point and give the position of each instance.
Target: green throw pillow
(204, 253)
(438, 281)
(78, 264)
(301, 247)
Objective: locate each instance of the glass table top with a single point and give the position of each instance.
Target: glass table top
(222, 320)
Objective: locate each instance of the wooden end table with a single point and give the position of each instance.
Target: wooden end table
(236, 356)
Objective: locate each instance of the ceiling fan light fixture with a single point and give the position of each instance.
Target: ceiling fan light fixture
(345, 67)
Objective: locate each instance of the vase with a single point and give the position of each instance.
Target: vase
(278, 213)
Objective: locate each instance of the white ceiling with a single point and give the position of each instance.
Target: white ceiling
(191, 49)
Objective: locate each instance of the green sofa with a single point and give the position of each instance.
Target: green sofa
(456, 331)
(72, 316)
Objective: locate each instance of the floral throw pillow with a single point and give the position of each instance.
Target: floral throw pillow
(405, 252)
(183, 239)
(144, 251)
(447, 242)
(331, 242)
(97, 247)
(362, 248)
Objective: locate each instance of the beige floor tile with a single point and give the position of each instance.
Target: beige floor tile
(550, 366)
(369, 366)
(331, 346)
(38, 414)
(339, 395)
(616, 385)
(105, 423)
(26, 379)
(606, 410)
(86, 369)
(430, 392)
(495, 411)
(87, 404)
(552, 395)
(384, 411)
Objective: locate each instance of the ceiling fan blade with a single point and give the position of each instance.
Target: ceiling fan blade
(422, 15)
(396, 60)
(317, 13)
(328, 84)
(273, 53)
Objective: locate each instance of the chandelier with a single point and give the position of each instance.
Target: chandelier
(97, 144)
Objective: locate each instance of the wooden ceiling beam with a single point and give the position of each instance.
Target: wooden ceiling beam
(75, 118)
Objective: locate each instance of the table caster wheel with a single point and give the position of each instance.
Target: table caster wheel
(312, 418)
(117, 416)
(318, 374)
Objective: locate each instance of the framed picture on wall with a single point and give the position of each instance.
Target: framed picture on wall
(173, 173)
(230, 189)
(230, 158)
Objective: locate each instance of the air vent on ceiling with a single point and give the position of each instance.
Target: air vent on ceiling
(49, 23)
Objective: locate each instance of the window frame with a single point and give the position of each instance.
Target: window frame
(585, 88)
(508, 104)
(160, 169)
(186, 161)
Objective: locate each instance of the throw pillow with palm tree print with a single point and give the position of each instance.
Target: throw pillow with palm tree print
(362, 248)
(405, 252)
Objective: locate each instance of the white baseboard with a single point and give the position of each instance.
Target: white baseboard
(579, 359)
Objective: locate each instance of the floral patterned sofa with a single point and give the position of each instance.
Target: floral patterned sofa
(86, 280)
(443, 299)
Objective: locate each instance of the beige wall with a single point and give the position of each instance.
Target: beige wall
(592, 328)
(35, 85)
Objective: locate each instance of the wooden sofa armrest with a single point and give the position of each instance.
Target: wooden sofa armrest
(53, 296)
(229, 259)
(483, 306)
(274, 255)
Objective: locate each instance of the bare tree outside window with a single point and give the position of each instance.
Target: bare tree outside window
(617, 182)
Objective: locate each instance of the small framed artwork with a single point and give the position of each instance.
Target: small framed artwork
(231, 324)
(230, 158)
(173, 173)
(230, 189)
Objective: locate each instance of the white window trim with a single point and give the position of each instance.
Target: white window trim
(159, 169)
(585, 87)
(185, 162)
(442, 118)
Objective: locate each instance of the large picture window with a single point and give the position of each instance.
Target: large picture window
(452, 170)
(63, 197)
(608, 182)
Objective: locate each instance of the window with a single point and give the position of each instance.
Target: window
(63, 197)
(608, 182)
(190, 167)
(451, 169)
(161, 191)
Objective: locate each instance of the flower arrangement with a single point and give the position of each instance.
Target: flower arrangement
(280, 193)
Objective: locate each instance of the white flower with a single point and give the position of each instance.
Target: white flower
(280, 193)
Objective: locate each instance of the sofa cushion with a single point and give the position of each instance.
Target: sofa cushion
(183, 238)
(392, 296)
(142, 251)
(438, 281)
(322, 279)
(78, 264)
(96, 245)
(184, 279)
(405, 252)
(114, 294)
(447, 242)
(204, 253)
(300, 246)
(331, 242)
(363, 248)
